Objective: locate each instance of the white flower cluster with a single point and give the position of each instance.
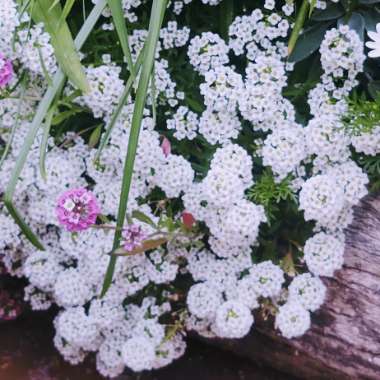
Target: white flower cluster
(207, 51)
(106, 89)
(10, 20)
(367, 143)
(184, 123)
(172, 36)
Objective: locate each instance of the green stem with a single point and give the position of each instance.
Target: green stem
(300, 20)
(156, 18)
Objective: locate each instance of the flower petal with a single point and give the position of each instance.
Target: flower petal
(374, 53)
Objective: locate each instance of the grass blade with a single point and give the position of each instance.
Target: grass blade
(153, 92)
(122, 101)
(156, 18)
(39, 116)
(298, 25)
(61, 41)
(121, 29)
(44, 141)
(65, 12)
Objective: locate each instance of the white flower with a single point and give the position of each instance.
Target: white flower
(203, 300)
(292, 320)
(233, 320)
(324, 254)
(375, 44)
(309, 291)
(138, 354)
(267, 279)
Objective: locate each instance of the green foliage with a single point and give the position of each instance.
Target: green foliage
(269, 193)
(363, 115)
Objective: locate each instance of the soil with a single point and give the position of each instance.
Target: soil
(27, 353)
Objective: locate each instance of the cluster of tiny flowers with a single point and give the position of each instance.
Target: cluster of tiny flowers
(35, 51)
(105, 90)
(10, 20)
(133, 237)
(184, 124)
(284, 149)
(125, 328)
(77, 209)
(367, 143)
(172, 36)
(207, 51)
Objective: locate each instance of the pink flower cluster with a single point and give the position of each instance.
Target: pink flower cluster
(77, 209)
(133, 237)
(6, 71)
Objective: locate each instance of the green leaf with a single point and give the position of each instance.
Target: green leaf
(147, 245)
(95, 136)
(62, 116)
(39, 116)
(355, 22)
(121, 28)
(371, 18)
(226, 16)
(309, 41)
(156, 18)
(332, 12)
(143, 218)
(374, 88)
(61, 41)
(348, 5)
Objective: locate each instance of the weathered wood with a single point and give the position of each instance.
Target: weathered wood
(344, 341)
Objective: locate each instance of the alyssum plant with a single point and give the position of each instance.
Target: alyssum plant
(183, 165)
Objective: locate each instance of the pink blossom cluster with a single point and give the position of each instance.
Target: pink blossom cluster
(133, 237)
(77, 209)
(6, 71)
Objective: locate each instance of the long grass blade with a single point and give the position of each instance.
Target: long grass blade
(65, 12)
(156, 18)
(39, 116)
(44, 141)
(300, 20)
(121, 29)
(119, 107)
(61, 40)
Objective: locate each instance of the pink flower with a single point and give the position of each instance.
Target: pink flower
(133, 237)
(77, 209)
(166, 147)
(6, 71)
